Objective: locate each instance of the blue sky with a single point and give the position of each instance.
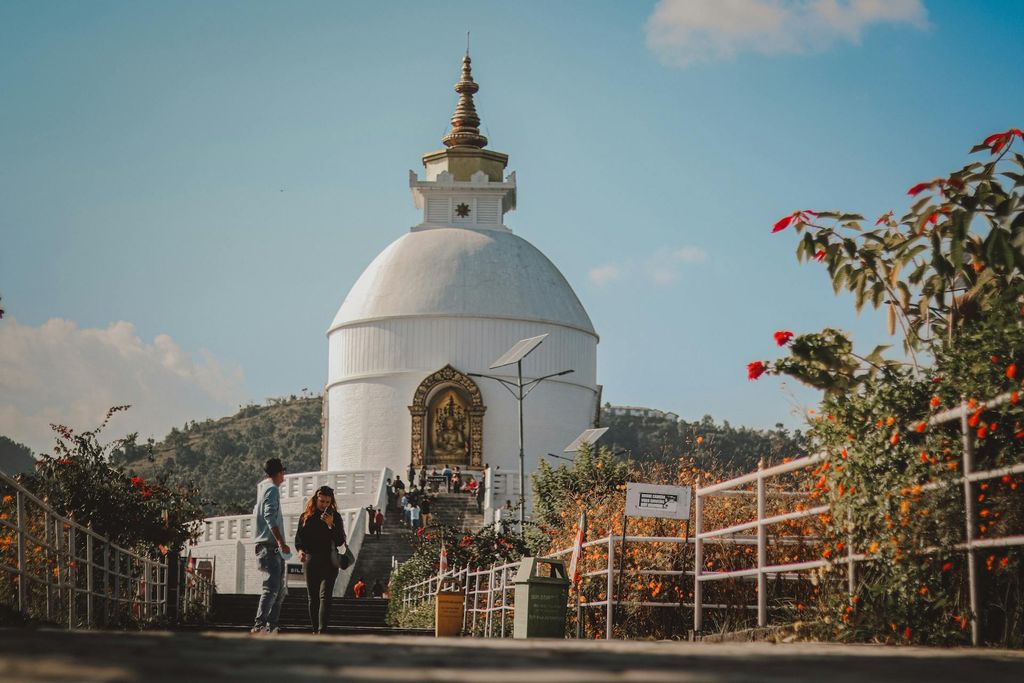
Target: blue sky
(190, 188)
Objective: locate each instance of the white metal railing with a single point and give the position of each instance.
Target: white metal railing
(763, 569)
(198, 587)
(64, 572)
(490, 591)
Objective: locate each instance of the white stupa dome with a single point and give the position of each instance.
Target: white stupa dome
(463, 272)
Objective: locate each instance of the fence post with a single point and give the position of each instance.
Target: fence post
(762, 551)
(698, 559)
(89, 585)
(609, 612)
(490, 601)
(476, 596)
(22, 555)
(72, 574)
(851, 568)
(504, 598)
(49, 541)
(970, 513)
(58, 542)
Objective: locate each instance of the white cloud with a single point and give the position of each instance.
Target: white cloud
(689, 255)
(62, 374)
(664, 266)
(602, 275)
(684, 32)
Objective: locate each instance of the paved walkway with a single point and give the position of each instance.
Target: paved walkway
(186, 657)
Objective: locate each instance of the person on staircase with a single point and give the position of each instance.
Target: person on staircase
(480, 492)
(320, 532)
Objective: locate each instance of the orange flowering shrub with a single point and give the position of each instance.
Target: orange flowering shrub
(950, 274)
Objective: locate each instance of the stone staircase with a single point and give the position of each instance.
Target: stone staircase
(374, 559)
(348, 615)
(458, 510)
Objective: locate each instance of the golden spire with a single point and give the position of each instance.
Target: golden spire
(465, 122)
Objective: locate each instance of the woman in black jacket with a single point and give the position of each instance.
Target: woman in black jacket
(319, 534)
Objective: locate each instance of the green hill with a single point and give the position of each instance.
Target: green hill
(15, 458)
(715, 446)
(225, 457)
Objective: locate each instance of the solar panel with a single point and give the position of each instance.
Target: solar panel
(518, 351)
(588, 437)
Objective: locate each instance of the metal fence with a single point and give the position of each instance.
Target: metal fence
(789, 570)
(490, 591)
(58, 570)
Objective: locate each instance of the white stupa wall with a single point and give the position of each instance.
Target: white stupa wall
(376, 367)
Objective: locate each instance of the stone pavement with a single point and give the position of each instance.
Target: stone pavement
(155, 657)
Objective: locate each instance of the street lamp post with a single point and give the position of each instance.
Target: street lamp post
(520, 390)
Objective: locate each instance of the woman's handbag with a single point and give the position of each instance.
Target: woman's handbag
(342, 560)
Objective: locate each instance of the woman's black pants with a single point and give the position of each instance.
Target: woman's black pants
(320, 578)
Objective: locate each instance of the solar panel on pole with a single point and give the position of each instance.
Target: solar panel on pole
(588, 438)
(519, 351)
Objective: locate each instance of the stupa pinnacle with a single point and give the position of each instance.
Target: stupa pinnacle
(465, 121)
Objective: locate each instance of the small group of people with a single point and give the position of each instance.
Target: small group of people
(416, 507)
(321, 531)
(375, 521)
(359, 589)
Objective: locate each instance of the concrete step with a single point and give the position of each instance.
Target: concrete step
(239, 610)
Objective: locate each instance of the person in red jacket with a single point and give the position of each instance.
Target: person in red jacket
(360, 588)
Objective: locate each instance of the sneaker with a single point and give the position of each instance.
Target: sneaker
(255, 630)
(273, 630)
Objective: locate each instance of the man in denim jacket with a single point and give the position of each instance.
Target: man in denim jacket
(270, 547)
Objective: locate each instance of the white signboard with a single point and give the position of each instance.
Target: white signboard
(658, 500)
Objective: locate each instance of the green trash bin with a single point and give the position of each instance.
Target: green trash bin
(542, 591)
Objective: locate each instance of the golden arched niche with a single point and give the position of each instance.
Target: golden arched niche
(447, 421)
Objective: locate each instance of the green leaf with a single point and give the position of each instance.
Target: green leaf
(876, 355)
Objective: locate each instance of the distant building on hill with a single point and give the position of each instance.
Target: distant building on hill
(638, 411)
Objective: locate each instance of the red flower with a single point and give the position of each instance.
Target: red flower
(819, 255)
(885, 218)
(1011, 371)
(798, 216)
(782, 337)
(755, 369)
(921, 187)
(921, 427)
(64, 461)
(783, 223)
(906, 633)
(138, 482)
(997, 141)
(146, 493)
(947, 566)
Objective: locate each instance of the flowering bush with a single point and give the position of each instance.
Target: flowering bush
(78, 480)
(950, 274)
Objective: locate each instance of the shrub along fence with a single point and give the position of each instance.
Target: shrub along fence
(764, 549)
(57, 570)
(970, 545)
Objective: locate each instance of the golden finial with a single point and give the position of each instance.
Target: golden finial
(465, 122)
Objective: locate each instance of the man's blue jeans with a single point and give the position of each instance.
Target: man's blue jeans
(274, 589)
